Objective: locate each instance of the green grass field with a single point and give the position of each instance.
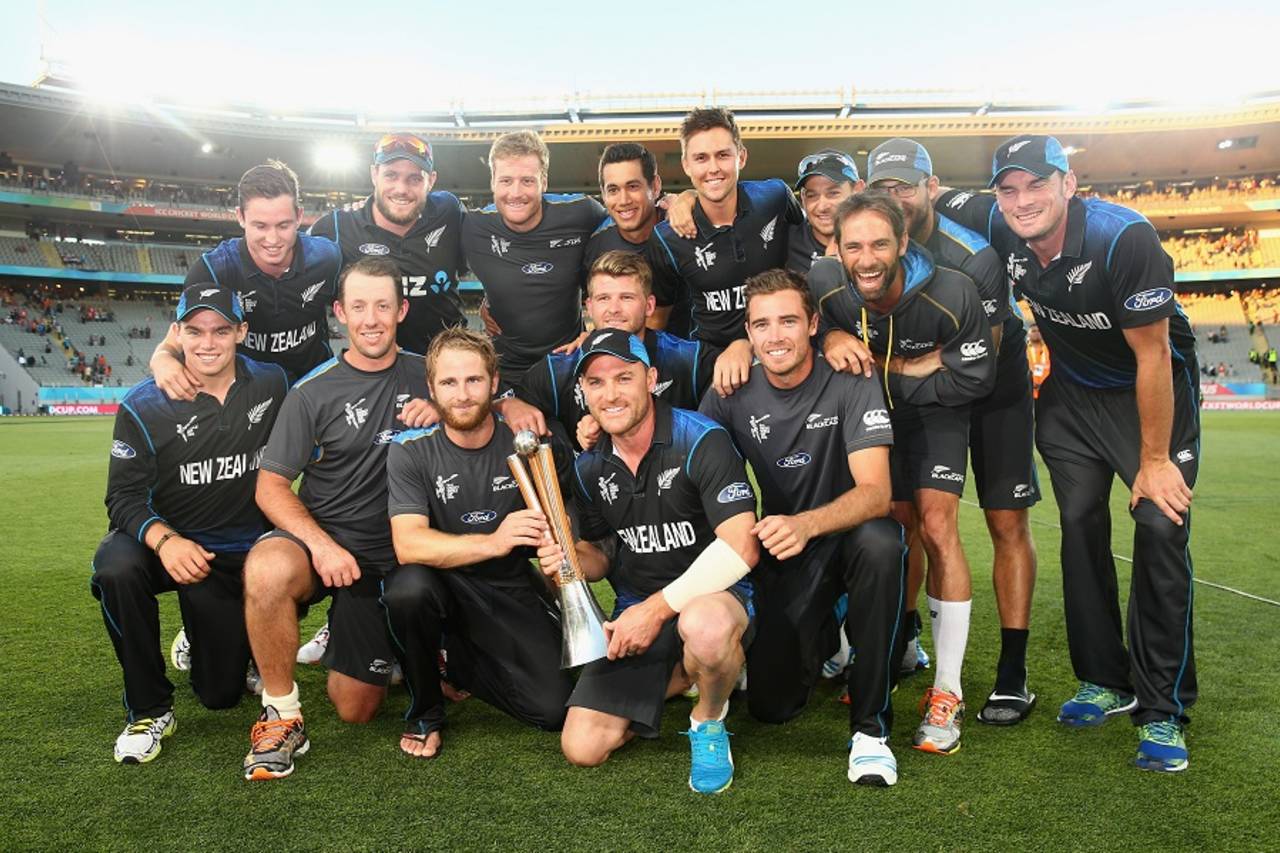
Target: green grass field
(501, 786)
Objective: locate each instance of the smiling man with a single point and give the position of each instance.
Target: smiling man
(818, 442)
(1123, 399)
(913, 315)
(284, 279)
(824, 179)
(333, 537)
(527, 249)
(413, 224)
(464, 539)
(666, 515)
(180, 500)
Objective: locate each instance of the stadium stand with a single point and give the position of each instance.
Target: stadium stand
(1223, 337)
(1235, 249)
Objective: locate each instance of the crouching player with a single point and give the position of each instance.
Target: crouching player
(180, 499)
(818, 442)
(666, 515)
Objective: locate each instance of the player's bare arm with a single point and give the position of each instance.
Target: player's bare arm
(1158, 479)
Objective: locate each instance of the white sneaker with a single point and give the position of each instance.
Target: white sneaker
(312, 650)
(253, 679)
(871, 762)
(180, 651)
(140, 740)
(397, 674)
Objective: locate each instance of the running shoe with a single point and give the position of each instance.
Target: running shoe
(712, 767)
(140, 740)
(939, 730)
(914, 658)
(253, 679)
(839, 662)
(275, 743)
(312, 650)
(1092, 704)
(180, 651)
(1162, 747)
(871, 762)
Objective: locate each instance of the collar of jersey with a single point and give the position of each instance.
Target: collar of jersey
(704, 225)
(295, 269)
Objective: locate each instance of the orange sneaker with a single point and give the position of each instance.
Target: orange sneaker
(939, 729)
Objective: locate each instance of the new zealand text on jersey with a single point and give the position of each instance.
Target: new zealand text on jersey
(218, 468)
(719, 300)
(657, 538)
(280, 341)
(1098, 320)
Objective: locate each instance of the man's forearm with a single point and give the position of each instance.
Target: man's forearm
(1154, 394)
(285, 510)
(438, 549)
(859, 504)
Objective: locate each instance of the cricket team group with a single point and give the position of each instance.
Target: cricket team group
(762, 399)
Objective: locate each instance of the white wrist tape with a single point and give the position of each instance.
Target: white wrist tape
(717, 568)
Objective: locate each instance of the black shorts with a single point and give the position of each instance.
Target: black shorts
(635, 688)
(1001, 442)
(930, 449)
(358, 643)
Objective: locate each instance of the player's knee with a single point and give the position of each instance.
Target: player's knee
(410, 588)
(355, 708)
(1152, 527)
(1009, 527)
(223, 696)
(272, 571)
(1076, 513)
(584, 749)
(118, 561)
(775, 706)
(878, 547)
(708, 630)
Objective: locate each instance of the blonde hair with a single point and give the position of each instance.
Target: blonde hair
(520, 143)
(461, 338)
(617, 263)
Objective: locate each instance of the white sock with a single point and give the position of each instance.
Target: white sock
(950, 620)
(724, 712)
(288, 706)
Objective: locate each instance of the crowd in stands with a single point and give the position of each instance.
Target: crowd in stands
(1233, 249)
(39, 311)
(1151, 193)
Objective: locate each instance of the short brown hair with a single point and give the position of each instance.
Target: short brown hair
(374, 267)
(270, 180)
(875, 201)
(776, 281)
(520, 143)
(709, 118)
(617, 263)
(460, 337)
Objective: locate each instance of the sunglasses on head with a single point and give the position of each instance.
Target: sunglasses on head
(402, 142)
(821, 157)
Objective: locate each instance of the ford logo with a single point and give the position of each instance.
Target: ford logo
(479, 516)
(795, 460)
(374, 249)
(1148, 299)
(537, 268)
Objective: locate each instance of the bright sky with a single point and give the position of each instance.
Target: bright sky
(346, 54)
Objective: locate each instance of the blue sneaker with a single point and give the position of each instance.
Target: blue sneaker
(712, 768)
(1092, 705)
(1162, 747)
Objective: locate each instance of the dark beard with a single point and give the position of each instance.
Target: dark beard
(391, 217)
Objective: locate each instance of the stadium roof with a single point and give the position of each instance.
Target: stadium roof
(51, 124)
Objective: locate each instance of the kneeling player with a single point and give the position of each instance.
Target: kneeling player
(333, 537)
(465, 540)
(818, 442)
(667, 516)
(180, 499)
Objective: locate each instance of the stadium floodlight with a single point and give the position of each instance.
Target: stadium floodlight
(335, 157)
(1225, 144)
(206, 148)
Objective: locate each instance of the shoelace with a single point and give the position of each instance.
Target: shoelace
(1090, 692)
(1162, 732)
(270, 734)
(705, 753)
(144, 726)
(942, 707)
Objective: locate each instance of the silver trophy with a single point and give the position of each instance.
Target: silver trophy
(581, 619)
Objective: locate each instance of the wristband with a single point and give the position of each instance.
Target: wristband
(163, 539)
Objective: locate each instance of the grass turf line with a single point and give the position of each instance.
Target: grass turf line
(500, 785)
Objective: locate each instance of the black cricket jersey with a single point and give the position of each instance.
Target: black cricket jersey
(1111, 275)
(803, 248)
(464, 491)
(429, 256)
(798, 439)
(684, 373)
(939, 308)
(288, 316)
(959, 248)
(334, 429)
(690, 481)
(533, 280)
(193, 464)
(715, 265)
(608, 238)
